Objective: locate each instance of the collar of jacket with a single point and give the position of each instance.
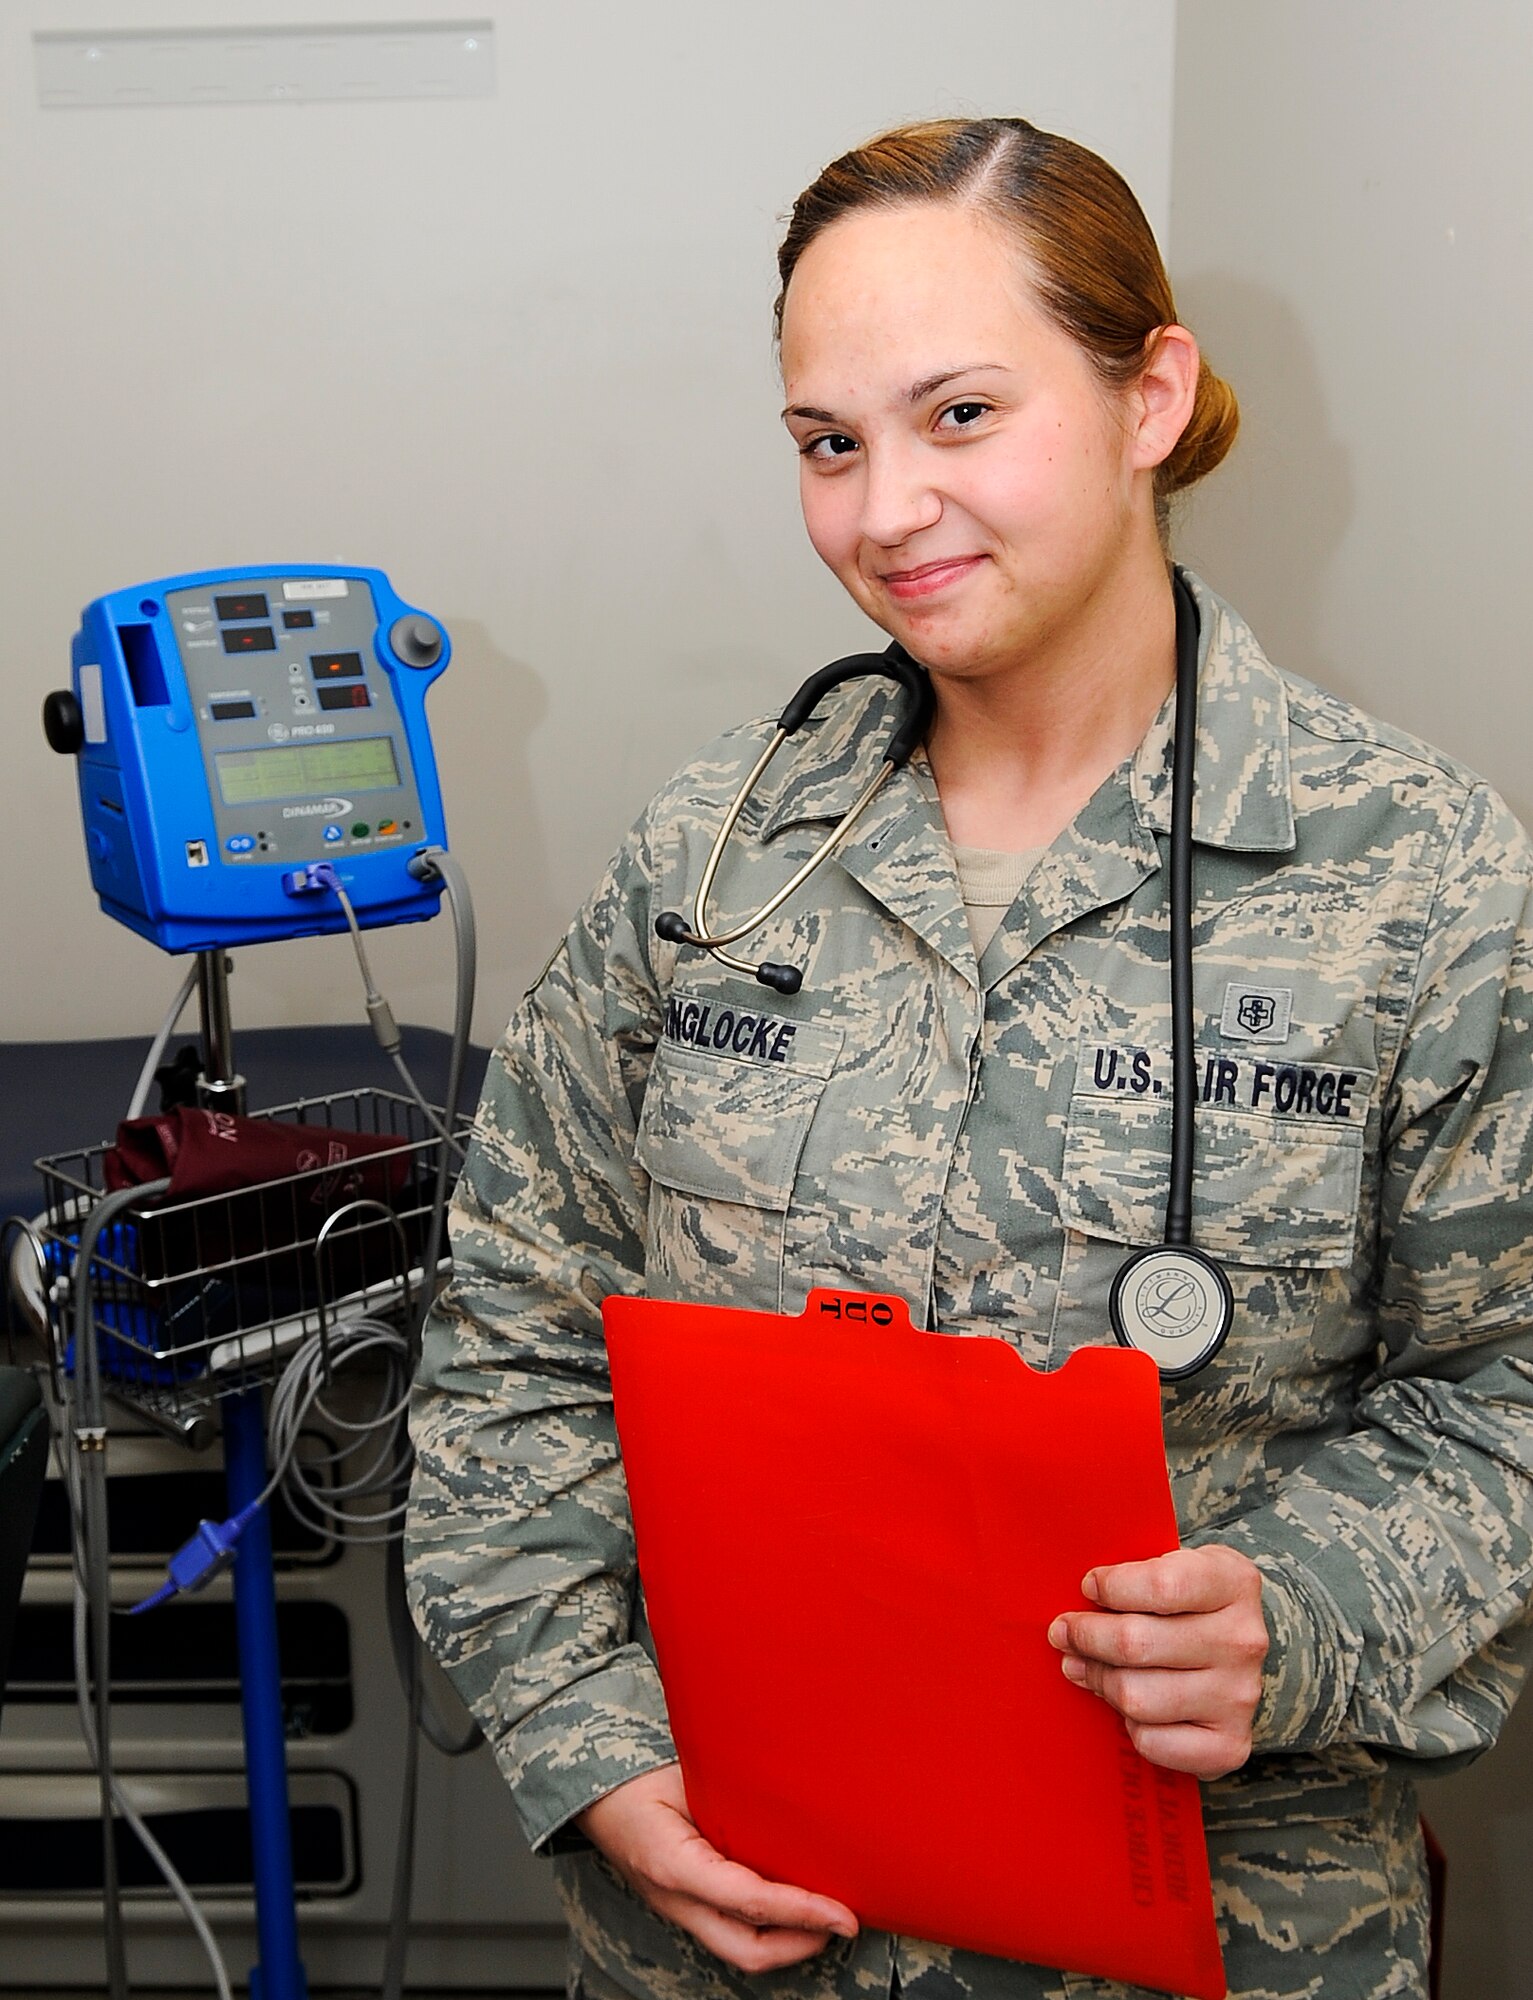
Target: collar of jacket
(1243, 799)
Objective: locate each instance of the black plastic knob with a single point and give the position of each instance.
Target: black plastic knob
(63, 723)
(781, 978)
(416, 640)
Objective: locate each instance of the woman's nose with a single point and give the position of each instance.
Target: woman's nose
(898, 498)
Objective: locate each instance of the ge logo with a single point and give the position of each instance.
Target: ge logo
(1256, 1012)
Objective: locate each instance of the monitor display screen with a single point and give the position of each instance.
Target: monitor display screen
(307, 770)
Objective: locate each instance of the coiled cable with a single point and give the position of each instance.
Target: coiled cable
(330, 1505)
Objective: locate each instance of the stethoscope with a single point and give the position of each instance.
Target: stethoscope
(1170, 1301)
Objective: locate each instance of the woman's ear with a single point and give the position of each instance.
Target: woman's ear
(1162, 398)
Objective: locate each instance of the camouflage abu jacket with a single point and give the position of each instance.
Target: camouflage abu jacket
(986, 1139)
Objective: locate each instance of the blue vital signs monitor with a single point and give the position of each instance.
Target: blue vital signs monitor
(236, 727)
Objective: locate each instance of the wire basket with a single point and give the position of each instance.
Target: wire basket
(205, 1297)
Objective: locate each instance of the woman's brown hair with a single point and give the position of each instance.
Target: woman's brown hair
(1092, 257)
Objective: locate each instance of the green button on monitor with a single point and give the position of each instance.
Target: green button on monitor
(360, 830)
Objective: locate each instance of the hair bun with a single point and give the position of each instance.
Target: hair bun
(1209, 434)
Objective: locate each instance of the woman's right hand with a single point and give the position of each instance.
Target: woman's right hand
(646, 1832)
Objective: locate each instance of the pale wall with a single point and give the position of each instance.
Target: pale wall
(515, 352)
(1352, 232)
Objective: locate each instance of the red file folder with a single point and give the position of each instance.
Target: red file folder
(853, 1537)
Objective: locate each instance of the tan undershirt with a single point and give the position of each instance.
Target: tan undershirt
(990, 882)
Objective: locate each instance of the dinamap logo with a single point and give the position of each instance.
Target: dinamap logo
(319, 809)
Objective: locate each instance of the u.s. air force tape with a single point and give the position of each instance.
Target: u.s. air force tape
(1175, 1305)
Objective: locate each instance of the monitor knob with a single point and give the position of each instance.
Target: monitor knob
(416, 640)
(63, 724)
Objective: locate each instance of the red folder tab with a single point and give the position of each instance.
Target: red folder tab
(853, 1537)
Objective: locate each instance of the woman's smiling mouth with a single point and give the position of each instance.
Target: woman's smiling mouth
(928, 578)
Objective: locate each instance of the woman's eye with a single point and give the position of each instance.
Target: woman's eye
(833, 444)
(958, 416)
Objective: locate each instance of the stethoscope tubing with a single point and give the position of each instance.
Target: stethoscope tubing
(1178, 1229)
(823, 852)
(909, 731)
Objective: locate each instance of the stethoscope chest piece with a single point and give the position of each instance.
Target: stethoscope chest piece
(1174, 1304)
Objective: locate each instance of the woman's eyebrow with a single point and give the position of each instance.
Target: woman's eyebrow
(914, 394)
(925, 386)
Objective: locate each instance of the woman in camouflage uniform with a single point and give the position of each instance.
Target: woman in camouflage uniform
(967, 1105)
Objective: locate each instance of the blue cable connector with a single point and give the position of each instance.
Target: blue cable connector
(205, 1555)
(314, 875)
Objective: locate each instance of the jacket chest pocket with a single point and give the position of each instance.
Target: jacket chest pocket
(730, 1100)
(1278, 1154)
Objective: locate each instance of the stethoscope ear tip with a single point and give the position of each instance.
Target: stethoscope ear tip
(786, 979)
(672, 927)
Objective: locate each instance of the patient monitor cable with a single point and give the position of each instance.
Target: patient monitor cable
(381, 1015)
(296, 1394)
(68, 1470)
(156, 1053)
(404, 1640)
(85, 1447)
(403, 1636)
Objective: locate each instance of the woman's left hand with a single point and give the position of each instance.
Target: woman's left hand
(1177, 1649)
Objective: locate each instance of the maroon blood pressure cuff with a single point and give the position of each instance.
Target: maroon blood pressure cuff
(281, 1180)
(213, 1152)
